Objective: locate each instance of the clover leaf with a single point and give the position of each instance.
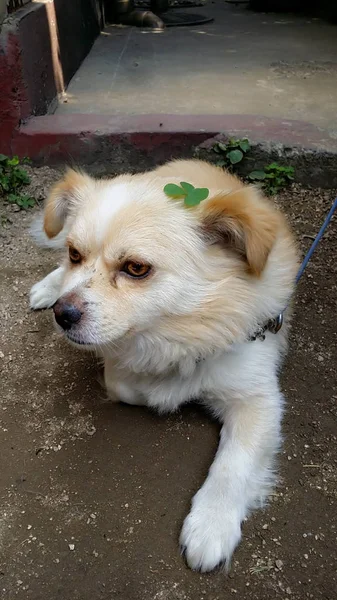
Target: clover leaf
(173, 190)
(192, 196)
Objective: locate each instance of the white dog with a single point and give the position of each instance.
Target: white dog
(173, 299)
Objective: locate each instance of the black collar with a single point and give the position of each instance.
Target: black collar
(273, 325)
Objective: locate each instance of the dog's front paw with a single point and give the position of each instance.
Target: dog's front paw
(46, 292)
(210, 532)
(42, 295)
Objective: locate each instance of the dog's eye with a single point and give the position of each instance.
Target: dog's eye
(74, 255)
(135, 269)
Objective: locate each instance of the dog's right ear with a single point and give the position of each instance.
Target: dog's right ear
(63, 199)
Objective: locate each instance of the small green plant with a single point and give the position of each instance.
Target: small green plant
(273, 177)
(24, 202)
(13, 177)
(4, 220)
(191, 195)
(231, 153)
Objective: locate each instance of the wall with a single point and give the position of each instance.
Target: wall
(3, 9)
(41, 47)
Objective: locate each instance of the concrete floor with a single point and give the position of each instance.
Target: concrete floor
(243, 63)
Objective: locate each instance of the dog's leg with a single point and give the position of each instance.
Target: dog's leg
(239, 479)
(45, 293)
(122, 392)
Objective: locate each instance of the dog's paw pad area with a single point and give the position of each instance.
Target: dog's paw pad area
(42, 296)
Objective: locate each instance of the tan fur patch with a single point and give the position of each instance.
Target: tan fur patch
(245, 221)
(58, 200)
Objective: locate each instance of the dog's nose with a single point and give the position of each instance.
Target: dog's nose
(66, 314)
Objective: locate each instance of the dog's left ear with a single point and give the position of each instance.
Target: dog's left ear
(244, 221)
(64, 198)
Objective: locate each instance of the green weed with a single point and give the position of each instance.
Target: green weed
(273, 177)
(13, 178)
(231, 153)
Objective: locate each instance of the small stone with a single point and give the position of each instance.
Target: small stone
(265, 526)
(279, 564)
(71, 547)
(320, 358)
(29, 526)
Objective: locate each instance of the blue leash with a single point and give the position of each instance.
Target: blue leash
(274, 325)
(316, 241)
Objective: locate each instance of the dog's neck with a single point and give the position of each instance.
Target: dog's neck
(157, 356)
(150, 353)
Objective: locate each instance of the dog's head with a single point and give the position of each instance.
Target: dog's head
(138, 261)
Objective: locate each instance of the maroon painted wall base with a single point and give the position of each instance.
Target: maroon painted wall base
(112, 144)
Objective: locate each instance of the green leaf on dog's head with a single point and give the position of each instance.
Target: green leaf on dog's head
(196, 196)
(187, 187)
(174, 191)
(192, 196)
(201, 194)
(191, 200)
(235, 156)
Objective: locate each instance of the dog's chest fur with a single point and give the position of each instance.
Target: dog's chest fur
(166, 375)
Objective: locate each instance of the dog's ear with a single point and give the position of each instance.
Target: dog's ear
(244, 221)
(64, 197)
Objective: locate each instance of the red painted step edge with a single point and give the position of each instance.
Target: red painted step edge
(60, 137)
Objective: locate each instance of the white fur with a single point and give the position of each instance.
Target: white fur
(38, 234)
(45, 293)
(156, 365)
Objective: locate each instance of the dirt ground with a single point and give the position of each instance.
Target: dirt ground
(93, 495)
